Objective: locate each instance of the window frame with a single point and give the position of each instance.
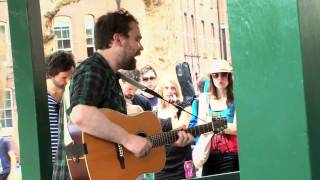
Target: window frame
(62, 19)
(5, 108)
(86, 27)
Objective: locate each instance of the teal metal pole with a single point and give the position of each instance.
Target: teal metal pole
(29, 77)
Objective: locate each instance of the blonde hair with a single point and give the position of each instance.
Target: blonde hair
(160, 89)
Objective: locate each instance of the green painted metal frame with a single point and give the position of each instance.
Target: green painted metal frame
(29, 76)
(310, 32)
(275, 50)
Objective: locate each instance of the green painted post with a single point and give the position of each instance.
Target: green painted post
(276, 51)
(29, 76)
(310, 32)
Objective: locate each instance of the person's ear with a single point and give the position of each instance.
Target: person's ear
(117, 39)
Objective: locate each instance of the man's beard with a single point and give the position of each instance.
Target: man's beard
(130, 64)
(58, 85)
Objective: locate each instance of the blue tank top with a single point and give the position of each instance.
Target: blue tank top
(227, 113)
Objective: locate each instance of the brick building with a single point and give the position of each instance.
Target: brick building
(195, 31)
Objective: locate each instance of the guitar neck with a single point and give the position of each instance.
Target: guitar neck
(171, 136)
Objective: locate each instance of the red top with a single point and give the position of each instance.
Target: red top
(224, 143)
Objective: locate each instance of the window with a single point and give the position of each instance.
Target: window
(6, 117)
(212, 30)
(224, 43)
(89, 25)
(203, 35)
(61, 28)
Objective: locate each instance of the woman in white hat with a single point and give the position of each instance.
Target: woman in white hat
(218, 153)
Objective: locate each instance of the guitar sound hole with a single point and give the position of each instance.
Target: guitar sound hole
(142, 134)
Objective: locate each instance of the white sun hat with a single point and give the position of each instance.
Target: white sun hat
(216, 66)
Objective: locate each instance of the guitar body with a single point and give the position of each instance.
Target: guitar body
(101, 161)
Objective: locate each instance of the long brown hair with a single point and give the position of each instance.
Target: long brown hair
(214, 92)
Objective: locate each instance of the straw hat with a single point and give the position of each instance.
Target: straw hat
(216, 66)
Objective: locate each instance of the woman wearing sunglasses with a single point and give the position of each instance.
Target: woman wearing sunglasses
(218, 153)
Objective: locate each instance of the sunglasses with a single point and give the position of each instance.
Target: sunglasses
(146, 79)
(221, 74)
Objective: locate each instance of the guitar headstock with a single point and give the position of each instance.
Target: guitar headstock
(219, 124)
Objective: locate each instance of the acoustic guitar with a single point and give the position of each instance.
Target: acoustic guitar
(92, 158)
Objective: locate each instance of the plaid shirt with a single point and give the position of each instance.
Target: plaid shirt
(94, 83)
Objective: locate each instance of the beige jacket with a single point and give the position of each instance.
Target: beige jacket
(201, 151)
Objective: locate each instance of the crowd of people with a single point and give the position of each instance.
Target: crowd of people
(95, 84)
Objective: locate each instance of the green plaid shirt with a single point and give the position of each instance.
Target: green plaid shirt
(93, 83)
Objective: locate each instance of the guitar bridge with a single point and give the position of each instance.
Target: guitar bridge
(75, 151)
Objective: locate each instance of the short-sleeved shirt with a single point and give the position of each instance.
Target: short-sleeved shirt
(93, 83)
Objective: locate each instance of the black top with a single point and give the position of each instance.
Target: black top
(175, 157)
(142, 101)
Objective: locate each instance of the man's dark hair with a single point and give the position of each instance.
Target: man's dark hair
(59, 61)
(133, 74)
(147, 68)
(109, 24)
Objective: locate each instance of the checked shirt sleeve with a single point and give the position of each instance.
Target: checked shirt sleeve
(87, 87)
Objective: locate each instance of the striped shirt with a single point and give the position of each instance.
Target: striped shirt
(53, 108)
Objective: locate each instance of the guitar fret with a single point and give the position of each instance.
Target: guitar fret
(173, 136)
(156, 140)
(167, 138)
(163, 139)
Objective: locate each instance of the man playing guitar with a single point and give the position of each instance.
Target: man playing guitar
(95, 85)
